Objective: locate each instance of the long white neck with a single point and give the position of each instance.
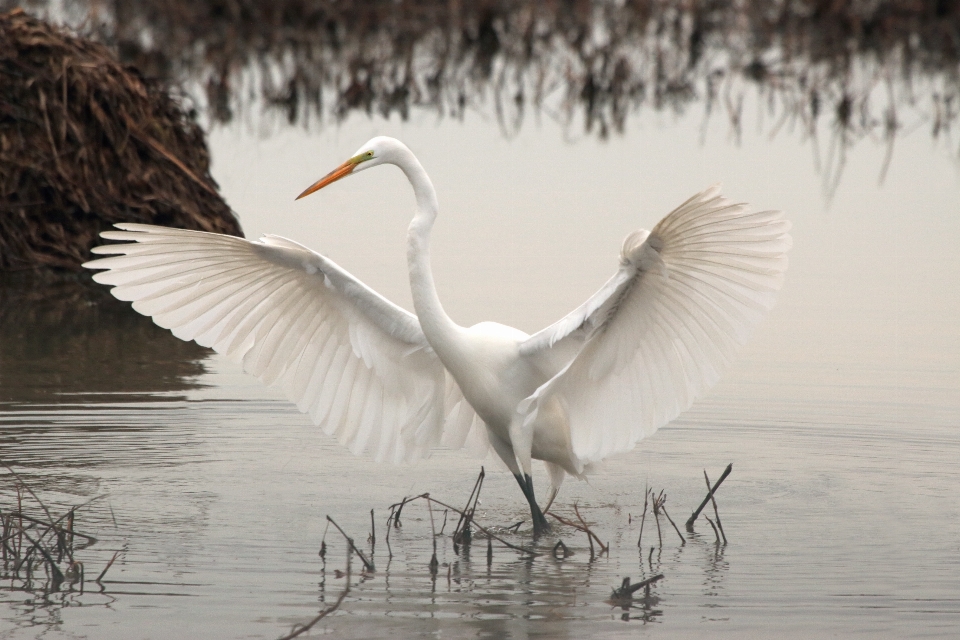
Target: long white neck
(439, 329)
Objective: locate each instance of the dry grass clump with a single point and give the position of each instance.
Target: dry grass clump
(86, 142)
(37, 550)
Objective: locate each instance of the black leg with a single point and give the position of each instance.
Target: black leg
(540, 524)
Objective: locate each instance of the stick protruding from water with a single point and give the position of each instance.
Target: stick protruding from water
(368, 565)
(713, 490)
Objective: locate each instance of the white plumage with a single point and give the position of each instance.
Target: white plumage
(357, 363)
(394, 385)
(659, 333)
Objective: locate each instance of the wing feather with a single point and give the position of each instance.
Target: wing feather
(660, 332)
(355, 362)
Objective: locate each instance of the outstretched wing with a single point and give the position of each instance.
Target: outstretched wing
(357, 363)
(659, 333)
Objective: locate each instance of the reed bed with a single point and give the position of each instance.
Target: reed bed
(509, 539)
(39, 551)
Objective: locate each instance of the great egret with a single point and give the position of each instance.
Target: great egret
(394, 384)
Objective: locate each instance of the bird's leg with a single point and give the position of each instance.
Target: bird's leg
(553, 496)
(540, 524)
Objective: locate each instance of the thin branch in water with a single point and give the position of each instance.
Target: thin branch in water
(395, 510)
(70, 519)
(323, 543)
(656, 516)
(366, 563)
(715, 532)
(301, 629)
(22, 517)
(716, 513)
(643, 518)
(56, 574)
(663, 508)
(590, 535)
(444, 525)
(710, 493)
(434, 564)
(27, 487)
(582, 526)
(107, 568)
(461, 534)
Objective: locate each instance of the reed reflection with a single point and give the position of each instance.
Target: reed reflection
(857, 69)
(62, 337)
(86, 383)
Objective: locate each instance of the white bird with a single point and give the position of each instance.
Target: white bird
(395, 385)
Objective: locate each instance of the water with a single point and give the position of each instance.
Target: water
(840, 418)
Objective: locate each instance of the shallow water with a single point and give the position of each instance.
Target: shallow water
(840, 418)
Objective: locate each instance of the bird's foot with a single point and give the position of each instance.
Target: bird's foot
(540, 524)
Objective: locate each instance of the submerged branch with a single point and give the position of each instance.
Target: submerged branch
(581, 526)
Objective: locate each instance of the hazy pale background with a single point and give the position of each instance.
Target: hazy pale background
(530, 226)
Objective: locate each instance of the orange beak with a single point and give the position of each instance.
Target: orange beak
(340, 172)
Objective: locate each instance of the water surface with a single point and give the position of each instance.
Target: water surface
(840, 417)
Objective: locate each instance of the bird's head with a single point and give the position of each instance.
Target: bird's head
(376, 151)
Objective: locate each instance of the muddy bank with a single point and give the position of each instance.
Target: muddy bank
(85, 142)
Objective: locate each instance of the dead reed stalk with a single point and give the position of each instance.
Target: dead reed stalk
(663, 508)
(368, 565)
(710, 492)
(484, 530)
(714, 527)
(461, 534)
(646, 497)
(716, 513)
(656, 516)
(107, 568)
(26, 541)
(582, 526)
(303, 628)
(434, 563)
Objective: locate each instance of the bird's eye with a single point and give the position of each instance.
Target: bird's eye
(369, 154)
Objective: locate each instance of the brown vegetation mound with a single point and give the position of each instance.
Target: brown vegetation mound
(86, 142)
